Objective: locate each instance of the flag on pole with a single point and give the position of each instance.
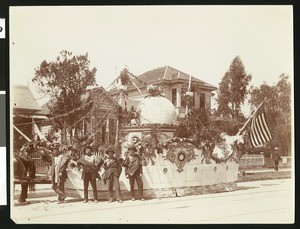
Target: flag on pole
(38, 133)
(259, 130)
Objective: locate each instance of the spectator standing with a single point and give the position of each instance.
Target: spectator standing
(58, 171)
(113, 170)
(24, 170)
(134, 170)
(90, 167)
(276, 158)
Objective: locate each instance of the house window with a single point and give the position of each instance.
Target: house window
(112, 131)
(184, 98)
(103, 133)
(202, 101)
(174, 96)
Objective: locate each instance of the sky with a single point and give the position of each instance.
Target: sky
(201, 41)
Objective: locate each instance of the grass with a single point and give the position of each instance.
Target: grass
(254, 176)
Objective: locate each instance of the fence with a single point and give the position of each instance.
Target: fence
(249, 160)
(41, 167)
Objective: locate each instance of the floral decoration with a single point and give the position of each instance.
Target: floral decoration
(154, 91)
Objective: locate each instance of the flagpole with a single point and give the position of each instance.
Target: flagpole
(246, 123)
(134, 84)
(189, 88)
(23, 135)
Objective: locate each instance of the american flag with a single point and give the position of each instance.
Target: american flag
(259, 131)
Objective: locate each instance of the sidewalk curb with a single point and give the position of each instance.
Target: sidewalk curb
(48, 192)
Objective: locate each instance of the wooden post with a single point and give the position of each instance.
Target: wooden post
(23, 135)
(82, 131)
(246, 123)
(117, 130)
(32, 127)
(178, 99)
(107, 129)
(118, 121)
(64, 134)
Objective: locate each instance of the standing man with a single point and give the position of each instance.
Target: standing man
(276, 158)
(88, 161)
(134, 170)
(24, 170)
(58, 171)
(113, 170)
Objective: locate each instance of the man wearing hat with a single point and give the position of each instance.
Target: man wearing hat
(90, 165)
(24, 170)
(134, 170)
(58, 172)
(276, 158)
(113, 170)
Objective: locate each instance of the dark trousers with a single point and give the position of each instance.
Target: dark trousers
(88, 179)
(276, 163)
(24, 191)
(59, 188)
(114, 181)
(139, 181)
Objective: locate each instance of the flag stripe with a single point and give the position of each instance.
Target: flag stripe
(254, 140)
(266, 131)
(255, 131)
(259, 130)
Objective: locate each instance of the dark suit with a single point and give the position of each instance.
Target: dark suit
(133, 165)
(89, 175)
(276, 159)
(27, 166)
(58, 181)
(113, 170)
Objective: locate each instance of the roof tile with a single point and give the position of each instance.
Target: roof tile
(24, 99)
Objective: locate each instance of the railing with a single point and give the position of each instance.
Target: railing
(249, 160)
(41, 167)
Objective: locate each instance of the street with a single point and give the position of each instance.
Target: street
(267, 201)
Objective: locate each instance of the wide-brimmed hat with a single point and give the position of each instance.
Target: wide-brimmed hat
(132, 147)
(71, 148)
(110, 149)
(55, 146)
(88, 147)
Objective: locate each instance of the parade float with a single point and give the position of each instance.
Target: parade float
(172, 166)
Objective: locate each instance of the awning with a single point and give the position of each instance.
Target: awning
(39, 116)
(30, 116)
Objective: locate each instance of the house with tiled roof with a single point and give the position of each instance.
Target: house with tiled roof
(174, 84)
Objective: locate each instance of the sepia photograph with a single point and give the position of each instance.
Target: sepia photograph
(151, 114)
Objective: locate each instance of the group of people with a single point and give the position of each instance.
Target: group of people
(90, 165)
